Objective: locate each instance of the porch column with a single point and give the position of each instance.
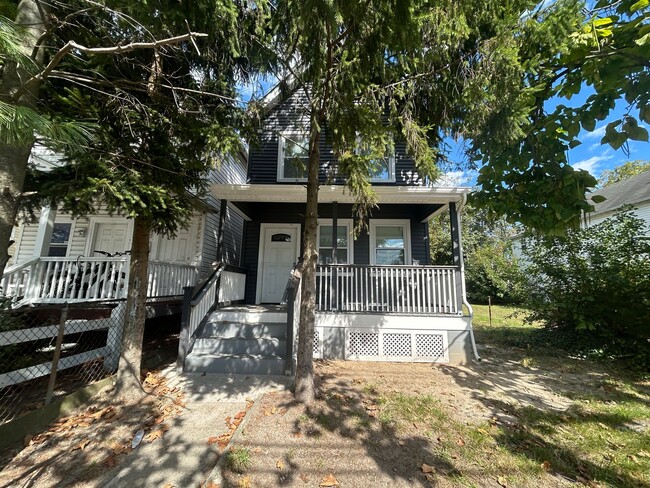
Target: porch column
(335, 244)
(44, 233)
(456, 251)
(222, 224)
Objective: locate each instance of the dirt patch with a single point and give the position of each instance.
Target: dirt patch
(78, 449)
(399, 424)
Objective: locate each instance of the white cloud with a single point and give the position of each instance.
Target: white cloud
(592, 164)
(456, 178)
(597, 133)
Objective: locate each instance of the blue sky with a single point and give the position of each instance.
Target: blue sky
(591, 155)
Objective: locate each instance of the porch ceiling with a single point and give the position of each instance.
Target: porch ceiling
(336, 193)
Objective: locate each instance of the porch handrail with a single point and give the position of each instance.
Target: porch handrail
(292, 297)
(198, 302)
(415, 289)
(15, 279)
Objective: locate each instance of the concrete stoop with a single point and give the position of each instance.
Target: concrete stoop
(239, 342)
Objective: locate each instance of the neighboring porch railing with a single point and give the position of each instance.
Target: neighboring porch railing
(68, 279)
(169, 279)
(64, 279)
(397, 289)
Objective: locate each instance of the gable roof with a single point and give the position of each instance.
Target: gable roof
(631, 191)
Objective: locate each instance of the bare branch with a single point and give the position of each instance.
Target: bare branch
(71, 45)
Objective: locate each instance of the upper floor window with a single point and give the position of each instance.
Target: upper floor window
(293, 156)
(382, 170)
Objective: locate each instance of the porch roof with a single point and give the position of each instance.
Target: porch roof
(279, 193)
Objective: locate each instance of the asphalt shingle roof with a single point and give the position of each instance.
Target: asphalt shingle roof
(630, 191)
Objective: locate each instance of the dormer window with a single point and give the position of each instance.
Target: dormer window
(293, 156)
(382, 170)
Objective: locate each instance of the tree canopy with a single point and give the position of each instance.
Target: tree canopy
(623, 172)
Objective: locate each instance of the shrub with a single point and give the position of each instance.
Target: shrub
(595, 281)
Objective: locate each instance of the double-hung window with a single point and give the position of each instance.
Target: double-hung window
(343, 240)
(293, 156)
(390, 242)
(381, 170)
(59, 240)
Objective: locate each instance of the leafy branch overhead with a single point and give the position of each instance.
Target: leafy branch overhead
(526, 175)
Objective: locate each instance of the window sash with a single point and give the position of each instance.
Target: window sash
(293, 157)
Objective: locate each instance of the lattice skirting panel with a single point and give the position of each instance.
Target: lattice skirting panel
(396, 345)
(318, 343)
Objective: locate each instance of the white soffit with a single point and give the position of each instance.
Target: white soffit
(327, 194)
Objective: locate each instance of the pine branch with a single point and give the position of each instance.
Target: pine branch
(71, 45)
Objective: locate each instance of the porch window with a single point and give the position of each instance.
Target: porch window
(343, 239)
(293, 156)
(389, 241)
(59, 240)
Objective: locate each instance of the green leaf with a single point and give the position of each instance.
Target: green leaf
(602, 22)
(637, 134)
(644, 113)
(639, 5)
(574, 143)
(589, 124)
(598, 198)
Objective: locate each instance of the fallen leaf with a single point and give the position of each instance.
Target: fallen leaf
(110, 461)
(168, 485)
(82, 445)
(297, 434)
(156, 434)
(430, 477)
(644, 454)
(280, 464)
(427, 469)
(329, 481)
(633, 458)
(502, 481)
(28, 440)
(546, 465)
(460, 441)
(212, 440)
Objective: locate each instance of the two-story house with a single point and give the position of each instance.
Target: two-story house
(379, 296)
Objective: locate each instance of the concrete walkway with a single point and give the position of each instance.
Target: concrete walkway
(183, 457)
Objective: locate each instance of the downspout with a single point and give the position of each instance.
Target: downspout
(462, 277)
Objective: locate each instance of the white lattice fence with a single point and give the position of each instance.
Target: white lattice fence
(396, 345)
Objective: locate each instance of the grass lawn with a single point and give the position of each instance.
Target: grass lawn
(527, 415)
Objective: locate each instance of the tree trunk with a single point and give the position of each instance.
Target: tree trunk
(31, 14)
(304, 386)
(129, 384)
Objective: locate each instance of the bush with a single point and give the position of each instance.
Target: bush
(595, 281)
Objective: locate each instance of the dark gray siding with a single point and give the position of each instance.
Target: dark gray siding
(294, 213)
(292, 115)
(231, 170)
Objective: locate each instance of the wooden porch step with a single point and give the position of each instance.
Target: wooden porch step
(234, 364)
(265, 346)
(244, 330)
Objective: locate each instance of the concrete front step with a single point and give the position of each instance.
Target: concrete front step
(264, 346)
(234, 364)
(227, 329)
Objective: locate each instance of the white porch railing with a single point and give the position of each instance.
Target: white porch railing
(169, 279)
(397, 289)
(67, 279)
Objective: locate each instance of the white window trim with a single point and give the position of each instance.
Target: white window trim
(391, 165)
(281, 140)
(340, 224)
(406, 223)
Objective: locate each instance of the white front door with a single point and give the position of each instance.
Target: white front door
(180, 249)
(110, 238)
(279, 251)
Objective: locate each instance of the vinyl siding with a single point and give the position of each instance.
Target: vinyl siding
(291, 115)
(641, 211)
(231, 170)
